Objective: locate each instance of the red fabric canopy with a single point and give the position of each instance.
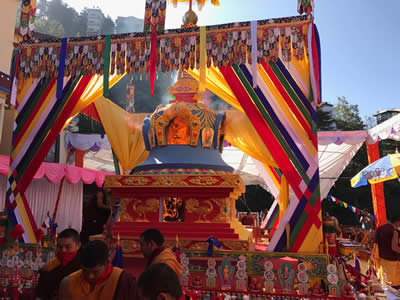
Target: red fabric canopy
(54, 173)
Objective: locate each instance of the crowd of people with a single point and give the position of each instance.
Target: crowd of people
(85, 271)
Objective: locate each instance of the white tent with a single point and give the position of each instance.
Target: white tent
(335, 151)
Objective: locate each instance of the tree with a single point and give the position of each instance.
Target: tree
(108, 26)
(325, 121)
(348, 116)
(65, 15)
(81, 26)
(50, 27)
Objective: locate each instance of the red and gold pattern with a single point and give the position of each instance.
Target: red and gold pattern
(179, 181)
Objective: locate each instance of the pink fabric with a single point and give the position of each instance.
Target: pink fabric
(54, 173)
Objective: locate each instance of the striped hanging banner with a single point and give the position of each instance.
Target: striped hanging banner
(40, 118)
(284, 117)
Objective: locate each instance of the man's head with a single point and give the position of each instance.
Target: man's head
(68, 241)
(159, 282)
(95, 258)
(150, 240)
(395, 221)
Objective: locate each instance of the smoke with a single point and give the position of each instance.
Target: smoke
(144, 102)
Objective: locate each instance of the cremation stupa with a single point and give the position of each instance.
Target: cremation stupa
(184, 188)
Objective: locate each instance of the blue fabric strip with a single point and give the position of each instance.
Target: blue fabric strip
(61, 69)
(253, 25)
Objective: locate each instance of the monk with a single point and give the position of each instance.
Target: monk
(159, 282)
(153, 249)
(98, 279)
(387, 251)
(65, 263)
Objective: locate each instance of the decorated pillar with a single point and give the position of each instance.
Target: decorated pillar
(378, 195)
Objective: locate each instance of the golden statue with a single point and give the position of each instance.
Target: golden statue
(178, 132)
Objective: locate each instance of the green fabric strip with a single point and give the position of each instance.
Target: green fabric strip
(106, 73)
(297, 228)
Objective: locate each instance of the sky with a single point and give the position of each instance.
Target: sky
(359, 40)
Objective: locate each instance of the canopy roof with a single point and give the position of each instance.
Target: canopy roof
(54, 173)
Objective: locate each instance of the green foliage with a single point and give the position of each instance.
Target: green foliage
(255, 199)
(108, 26)
(50, 27)
(348, 116)
(325, 121)
(74, 24)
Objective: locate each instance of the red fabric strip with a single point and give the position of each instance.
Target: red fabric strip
(34, 112)
(275, 174)
(263, 129)
(91, 111)
(378, 195)
(153, 58)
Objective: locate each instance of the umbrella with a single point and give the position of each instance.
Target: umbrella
(383, 169)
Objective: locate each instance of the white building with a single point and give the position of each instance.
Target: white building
(94, 21)
(385, 114)
(129, 24)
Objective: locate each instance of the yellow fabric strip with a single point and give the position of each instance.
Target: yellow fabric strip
(25, 219)
(217, 84)
(202, 81)
(283, 197)
(33, 123)
(94, 91)
(23, 87)
(313, 240)
(240, 133)
(124, 131)
(303, 70)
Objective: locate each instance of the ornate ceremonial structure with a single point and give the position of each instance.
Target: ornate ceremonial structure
(183, 188)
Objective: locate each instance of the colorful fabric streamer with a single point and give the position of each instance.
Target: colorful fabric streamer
(61, 69)
(212, 241)
(348, 206)
(299, 164)
(118, 260)
(107, 51)
(254, 50)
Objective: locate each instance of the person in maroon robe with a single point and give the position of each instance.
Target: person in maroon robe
(248, 220)
(66, 262)
(159, 281)
(98, 279)
(95, 216)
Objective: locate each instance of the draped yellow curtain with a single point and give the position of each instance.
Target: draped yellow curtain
(124, 131)
(94, 90)
(283, 197)
(240, 133)
(217, 84)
